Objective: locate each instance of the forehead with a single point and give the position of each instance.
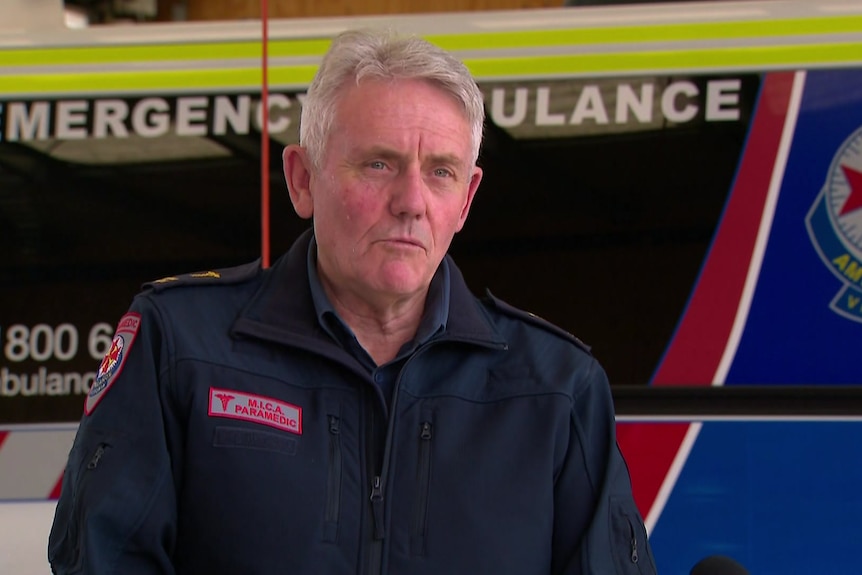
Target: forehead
(406, 99)
(400, 116)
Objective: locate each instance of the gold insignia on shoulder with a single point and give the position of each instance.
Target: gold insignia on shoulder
(209, 274)
(166, 280)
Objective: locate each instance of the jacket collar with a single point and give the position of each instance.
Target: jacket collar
(282, 309)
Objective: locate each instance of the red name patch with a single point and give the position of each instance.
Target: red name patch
(255, 408)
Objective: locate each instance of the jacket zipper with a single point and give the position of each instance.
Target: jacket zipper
(423, 478)
(378, 481)
(634, 542)
(375, 551)
(333, 486)
(97, 456)
(91, 466)
(377, 507)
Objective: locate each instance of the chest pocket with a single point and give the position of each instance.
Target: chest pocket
(419, 525)
(93, 460)
(628, 537)
(335, 463)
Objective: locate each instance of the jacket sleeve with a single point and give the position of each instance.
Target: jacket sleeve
(597, 527)
(117, 508)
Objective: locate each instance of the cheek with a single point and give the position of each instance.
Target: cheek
(361, 205)
(450, 215)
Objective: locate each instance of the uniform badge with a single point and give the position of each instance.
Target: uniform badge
(255, 408)
(115, 358)
(835, 225)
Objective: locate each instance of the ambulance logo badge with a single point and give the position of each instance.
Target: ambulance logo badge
(834, 225)
(114, 359)
(111, 359)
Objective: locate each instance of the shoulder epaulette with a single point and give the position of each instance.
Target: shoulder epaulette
(533, 319)
(224, 276)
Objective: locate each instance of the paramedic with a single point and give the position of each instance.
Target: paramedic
(353, 408)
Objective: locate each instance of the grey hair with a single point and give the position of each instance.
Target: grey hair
(383, 55)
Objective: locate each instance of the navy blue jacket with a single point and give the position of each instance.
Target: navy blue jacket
(229, 434)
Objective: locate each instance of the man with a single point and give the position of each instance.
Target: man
(353, 409)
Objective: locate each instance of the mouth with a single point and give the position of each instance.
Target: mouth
(405, 242)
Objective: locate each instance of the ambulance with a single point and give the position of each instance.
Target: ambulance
(679, 185)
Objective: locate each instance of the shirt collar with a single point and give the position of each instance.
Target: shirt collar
(281, 309)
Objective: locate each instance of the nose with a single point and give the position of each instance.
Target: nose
(408, 198)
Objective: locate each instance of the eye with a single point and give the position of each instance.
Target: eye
(377, 165)
(442, 172)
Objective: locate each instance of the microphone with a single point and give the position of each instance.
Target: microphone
(718, 565)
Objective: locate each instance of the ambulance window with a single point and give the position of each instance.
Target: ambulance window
(12, 205)
(136, 208)
(598, 217)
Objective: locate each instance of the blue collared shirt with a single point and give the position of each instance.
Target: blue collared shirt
(433, 321)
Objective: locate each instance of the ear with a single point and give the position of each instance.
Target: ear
(475, 180)
(297, 175)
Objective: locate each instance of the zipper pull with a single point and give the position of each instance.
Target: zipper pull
(377, 507)
(426, 431)
(333, 425)
(634, 550)
(97, 456)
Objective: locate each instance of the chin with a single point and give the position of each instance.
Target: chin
(403, 283)
(403, 288)
(401, 277)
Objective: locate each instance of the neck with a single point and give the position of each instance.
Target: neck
(381, 327)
